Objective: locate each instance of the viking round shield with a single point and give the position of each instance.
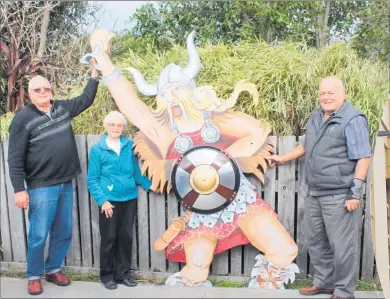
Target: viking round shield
(205, 179)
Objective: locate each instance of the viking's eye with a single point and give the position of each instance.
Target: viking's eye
(177, 88)
(163, 95)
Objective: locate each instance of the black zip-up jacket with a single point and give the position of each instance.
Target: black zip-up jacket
(42, 149)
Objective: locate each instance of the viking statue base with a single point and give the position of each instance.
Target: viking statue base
(198, 146)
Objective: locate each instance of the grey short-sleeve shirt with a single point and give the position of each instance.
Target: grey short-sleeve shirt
(358, 142)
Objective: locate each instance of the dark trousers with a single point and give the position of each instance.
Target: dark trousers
(332, 239)
(117, 241)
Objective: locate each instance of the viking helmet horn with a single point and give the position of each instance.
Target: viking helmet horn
(193, 67)
(144, 87)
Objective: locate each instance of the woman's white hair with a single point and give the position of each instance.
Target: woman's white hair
(114, 115)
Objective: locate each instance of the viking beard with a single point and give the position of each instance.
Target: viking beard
(164, 112)
(202, 100)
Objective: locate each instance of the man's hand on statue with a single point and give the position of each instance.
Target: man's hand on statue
(352, 204)
(275, 159)
(22, 199)
(107, 209)
(95, 72)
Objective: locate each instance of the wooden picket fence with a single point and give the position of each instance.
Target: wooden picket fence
(284, 190)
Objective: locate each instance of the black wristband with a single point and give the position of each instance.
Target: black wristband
(355, 192)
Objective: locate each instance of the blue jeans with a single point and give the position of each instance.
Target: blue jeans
(50, 209)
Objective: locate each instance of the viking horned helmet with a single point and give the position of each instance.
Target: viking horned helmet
(172, 74)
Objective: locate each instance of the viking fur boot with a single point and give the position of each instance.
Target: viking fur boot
(176, 280)
(265, 275)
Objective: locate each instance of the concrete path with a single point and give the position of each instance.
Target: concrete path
(17, 288)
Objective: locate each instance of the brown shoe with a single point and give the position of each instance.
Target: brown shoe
(58, 278)
(313, 290)
(35, 287)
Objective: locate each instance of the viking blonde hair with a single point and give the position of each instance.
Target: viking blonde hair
(204, 99)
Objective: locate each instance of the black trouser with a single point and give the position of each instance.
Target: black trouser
(117, 241)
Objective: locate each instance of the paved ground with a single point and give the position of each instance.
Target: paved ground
(17, 288)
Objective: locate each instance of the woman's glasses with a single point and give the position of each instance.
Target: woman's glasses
(119, 126)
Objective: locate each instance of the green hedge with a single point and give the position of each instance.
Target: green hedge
(287, 77)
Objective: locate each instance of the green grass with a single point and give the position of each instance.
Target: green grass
(228, 284)
(361, 285)
(365, 286)
(14, 273)
(90, 277)
(299, 283)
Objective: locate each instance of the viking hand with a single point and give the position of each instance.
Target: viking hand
(87, 58)
(178, 225)
(100, 44)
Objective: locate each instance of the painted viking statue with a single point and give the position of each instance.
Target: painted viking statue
(196, 145)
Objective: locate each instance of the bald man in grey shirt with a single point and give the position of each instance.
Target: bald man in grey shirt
(337, 156)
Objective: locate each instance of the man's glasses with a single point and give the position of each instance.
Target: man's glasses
(40, 89)
(119, 126)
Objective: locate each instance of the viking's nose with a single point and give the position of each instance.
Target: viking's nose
(174, 93)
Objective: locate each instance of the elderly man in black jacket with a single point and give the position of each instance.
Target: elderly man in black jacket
(43, 154)
(337, 156)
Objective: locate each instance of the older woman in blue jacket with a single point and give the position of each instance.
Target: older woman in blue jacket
(113, 176)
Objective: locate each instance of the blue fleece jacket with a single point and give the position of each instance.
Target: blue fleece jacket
(112, 177)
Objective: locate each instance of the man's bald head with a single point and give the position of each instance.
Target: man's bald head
(333, 81)
(37, 82)
(331, 94)
(39, 90)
